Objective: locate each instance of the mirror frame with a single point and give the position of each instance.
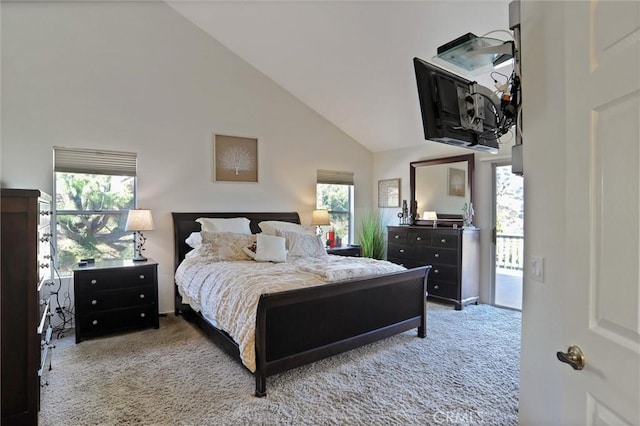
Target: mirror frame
(469, 158)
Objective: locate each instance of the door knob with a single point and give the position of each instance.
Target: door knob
(574, 357)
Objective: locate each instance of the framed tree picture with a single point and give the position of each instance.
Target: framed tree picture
(389, 193)
(235, 159)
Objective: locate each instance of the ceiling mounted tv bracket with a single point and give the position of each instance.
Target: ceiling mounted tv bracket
(475, 55)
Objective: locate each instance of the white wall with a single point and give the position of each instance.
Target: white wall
(137, 76)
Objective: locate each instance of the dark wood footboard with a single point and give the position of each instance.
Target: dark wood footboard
(298, 327)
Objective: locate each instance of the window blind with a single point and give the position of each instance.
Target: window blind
(90, 161)
(333, 177)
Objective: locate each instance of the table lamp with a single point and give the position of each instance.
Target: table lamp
(320, 217)
(433, 216)
(139, 220)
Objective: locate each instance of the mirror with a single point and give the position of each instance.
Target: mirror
(442, 185)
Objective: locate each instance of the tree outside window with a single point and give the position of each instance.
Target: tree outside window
(338, 200)
(91, 212)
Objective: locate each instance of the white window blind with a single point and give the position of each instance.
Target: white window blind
(333, 177)
(91, 161)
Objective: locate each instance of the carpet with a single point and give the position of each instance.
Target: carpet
(464, 373)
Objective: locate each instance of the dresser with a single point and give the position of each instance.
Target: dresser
(25, 257)
(453, 254)
(115, 296)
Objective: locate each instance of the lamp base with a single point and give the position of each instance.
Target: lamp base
(139, 258)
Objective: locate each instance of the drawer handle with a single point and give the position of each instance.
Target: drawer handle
(141, 277)
(94, 281)
(396, 237)
(435, 287)
(94, 302)
(444, 240)
(401, 250)
(419, 238)
(142, 315)
(141, 296)
(437, 255)
(94, 322)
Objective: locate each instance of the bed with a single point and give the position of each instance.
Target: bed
(300, 326)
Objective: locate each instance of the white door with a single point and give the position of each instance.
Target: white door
(602, 293)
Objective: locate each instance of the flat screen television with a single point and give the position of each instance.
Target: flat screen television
(456, 111)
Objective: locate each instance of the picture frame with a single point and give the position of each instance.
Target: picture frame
(389, 193)
(456, 182)
(235, 159)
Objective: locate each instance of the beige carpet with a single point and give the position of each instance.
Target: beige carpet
(465, 372)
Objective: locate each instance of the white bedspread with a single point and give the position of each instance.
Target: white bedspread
(228, 292)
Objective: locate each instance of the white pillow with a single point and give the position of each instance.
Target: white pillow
(239, 225)
(301, 244)
(269, 227)
(194, 240)
(270, 248)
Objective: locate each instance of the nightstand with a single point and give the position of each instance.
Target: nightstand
(351, 251)
(115, 296)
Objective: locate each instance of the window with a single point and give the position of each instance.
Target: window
(334, 192)
(94, 191)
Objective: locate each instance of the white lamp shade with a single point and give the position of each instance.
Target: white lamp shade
(429, 216)
(139, 220)
(320, 218)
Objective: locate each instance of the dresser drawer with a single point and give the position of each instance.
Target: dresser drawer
(407, 263)
(94, 281)
(441, 256)
(445, 239)
(444, 273)
(403, 251)
(44, 213)
(419, 237)
(126, 298)
(397, 236)
(99, 323)
(441, 289)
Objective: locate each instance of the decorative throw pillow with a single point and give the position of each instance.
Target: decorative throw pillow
(269, 227)
(219, 246)
(301, 244)
(270, 248)
(239, 225)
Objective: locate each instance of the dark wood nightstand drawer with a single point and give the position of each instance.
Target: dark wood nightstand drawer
(101, 301)
(92, 281)
(106, 322)
(348, 251)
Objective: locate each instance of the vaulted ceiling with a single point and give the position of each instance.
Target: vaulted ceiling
(350, 61)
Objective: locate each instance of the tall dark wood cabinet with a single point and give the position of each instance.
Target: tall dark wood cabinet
(25, 261)
(454, 254)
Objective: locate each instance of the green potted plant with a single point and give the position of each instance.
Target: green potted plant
(372, 234)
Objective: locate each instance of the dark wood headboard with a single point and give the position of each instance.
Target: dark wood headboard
(185, 223)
